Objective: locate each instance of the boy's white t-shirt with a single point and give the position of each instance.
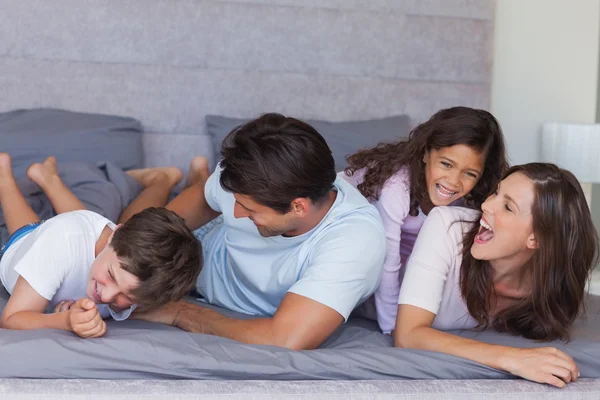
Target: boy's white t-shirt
(55, 259)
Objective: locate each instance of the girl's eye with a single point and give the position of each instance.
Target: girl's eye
(507, 207)
(445, 164)
(471, 175)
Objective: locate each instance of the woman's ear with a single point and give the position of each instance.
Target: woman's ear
(532, 242)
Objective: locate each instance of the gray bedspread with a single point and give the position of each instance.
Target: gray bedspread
(141, 350)
(103, 188)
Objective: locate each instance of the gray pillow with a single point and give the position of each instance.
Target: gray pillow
(344, 138)
(31, 135)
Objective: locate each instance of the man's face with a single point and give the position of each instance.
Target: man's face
(110, 284)
(268, 221)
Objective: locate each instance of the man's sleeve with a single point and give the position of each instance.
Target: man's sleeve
(212, 189)
(344, 267)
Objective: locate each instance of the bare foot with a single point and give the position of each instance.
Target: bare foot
(45, 173)
(150, 176)
(5, 166)
(198, 172)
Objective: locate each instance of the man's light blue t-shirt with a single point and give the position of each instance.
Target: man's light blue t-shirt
(338, 263)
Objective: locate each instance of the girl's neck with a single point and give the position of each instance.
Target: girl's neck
(426, 205)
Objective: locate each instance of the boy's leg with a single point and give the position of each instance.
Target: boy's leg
(17, 213)
(191, 204)
(45, 175)
(158, 184)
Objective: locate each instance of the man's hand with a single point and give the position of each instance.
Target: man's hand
(85, 319)
(166, 314)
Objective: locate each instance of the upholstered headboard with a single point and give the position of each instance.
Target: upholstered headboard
(169, 63)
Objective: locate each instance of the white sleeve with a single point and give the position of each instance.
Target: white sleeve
(436, 250)
(212, 189)
(46, 263)
(344, 267)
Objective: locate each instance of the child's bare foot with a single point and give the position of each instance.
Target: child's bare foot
(5, 167)
(151, 176)
(45, 173)
(198, 172)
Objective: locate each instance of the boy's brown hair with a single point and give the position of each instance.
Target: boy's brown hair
(158, 248)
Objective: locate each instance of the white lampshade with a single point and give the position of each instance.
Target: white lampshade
(575, 147)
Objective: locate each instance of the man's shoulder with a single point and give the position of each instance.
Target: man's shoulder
(353, 209)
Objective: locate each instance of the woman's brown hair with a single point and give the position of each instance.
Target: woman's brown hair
(477, 129)
(560, 267)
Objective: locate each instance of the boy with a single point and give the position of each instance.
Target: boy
(83, 266)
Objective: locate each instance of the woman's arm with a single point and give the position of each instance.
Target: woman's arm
(543, 365)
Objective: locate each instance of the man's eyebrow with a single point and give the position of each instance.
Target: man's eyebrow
(246, 208)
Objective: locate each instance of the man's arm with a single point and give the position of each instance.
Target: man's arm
(192, 206)
(299, 323)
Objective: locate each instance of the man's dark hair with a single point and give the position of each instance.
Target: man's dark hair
(275, 159)
(158, 248)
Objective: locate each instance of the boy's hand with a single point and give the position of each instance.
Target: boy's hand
(64, 305)
(85, 319)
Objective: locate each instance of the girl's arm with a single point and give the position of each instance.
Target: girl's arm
(543, 365)
(393, 206)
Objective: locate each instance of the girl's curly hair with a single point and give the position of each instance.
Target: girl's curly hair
(477, 129)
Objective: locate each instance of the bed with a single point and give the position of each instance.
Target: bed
(175, 76)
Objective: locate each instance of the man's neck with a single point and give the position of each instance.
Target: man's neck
(317, 213)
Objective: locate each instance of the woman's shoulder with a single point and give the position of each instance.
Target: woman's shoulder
(456, 220)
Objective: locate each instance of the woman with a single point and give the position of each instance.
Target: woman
(521, 269)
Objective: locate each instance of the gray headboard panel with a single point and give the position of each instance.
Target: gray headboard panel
(169, 63)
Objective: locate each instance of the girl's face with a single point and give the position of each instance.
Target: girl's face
(506, 231)
(452, 172)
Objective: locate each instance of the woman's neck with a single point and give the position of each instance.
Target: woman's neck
(511, 278)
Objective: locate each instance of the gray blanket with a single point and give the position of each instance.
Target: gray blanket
(141, 350)
(102, 188)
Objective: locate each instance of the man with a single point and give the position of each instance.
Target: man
(299, 248)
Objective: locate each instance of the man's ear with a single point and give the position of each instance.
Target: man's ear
(300, 206)
(532, 242)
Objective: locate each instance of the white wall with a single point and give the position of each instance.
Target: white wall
(545, 67)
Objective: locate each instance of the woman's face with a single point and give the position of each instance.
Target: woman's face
(506, 231)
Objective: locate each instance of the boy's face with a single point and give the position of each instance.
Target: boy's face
(108, 283)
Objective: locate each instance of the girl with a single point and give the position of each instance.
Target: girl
(456, 156)
(521, 268)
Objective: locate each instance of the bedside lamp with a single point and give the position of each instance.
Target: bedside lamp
(576, 147)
